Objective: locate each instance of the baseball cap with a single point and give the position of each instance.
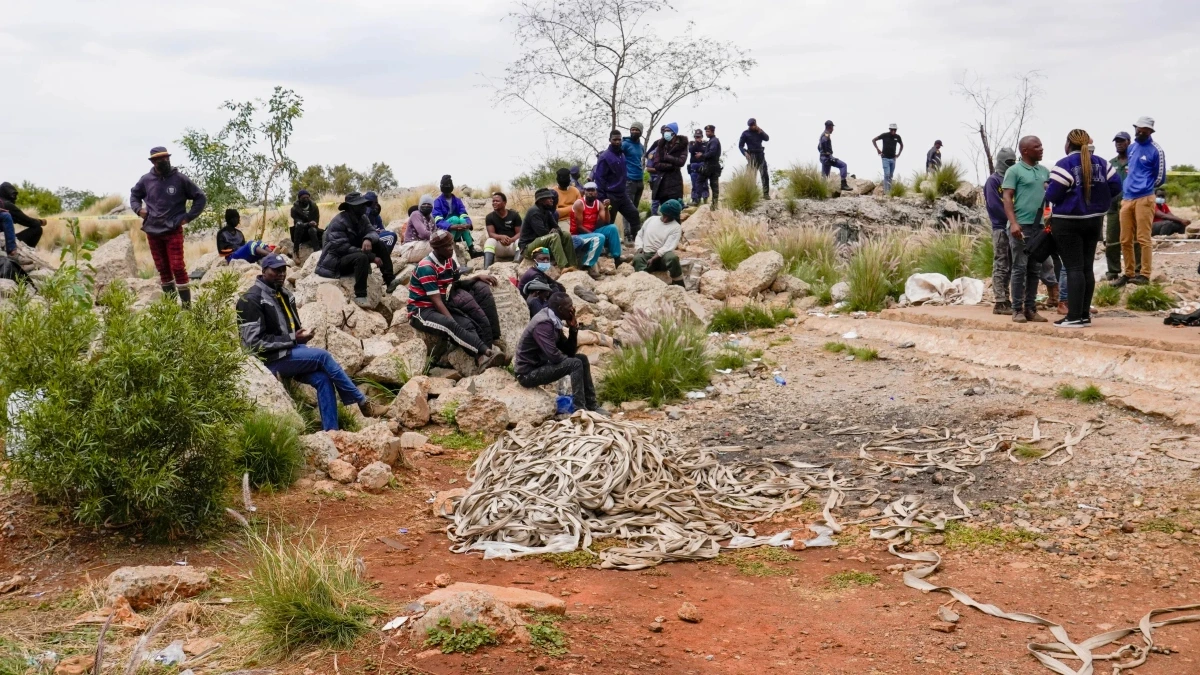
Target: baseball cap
(1146, 122)
(1122, 136)
(828, 123)
(273, 261)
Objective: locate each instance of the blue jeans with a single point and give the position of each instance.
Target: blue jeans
(10, 233)
(318, 369)
(889, 168)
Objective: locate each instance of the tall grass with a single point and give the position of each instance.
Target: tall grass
(748, 317)
(1106, 295)
(946, 179)
(948, 254)
(735, 240)
(983, 257)
(899, 189)
(742, 193)
(877, 270)
(270, 450)
(804, 181)
(667, 360)
(1149, 299)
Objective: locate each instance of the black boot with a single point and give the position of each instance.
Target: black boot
(488, 259)
(169, 291)
(185, 296)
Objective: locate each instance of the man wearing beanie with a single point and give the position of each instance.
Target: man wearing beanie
(306, 220)
(450, 214)
(232, 244)
(654, 249)
(635, 172)
(540, 229)
(160, 198)
(1002, 258)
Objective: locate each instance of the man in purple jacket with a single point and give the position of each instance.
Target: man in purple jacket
(160, 198)
(545, 355)
(609, 176)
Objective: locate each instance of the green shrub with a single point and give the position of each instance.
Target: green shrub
(40, 199)
(835, 347)
(1090, 394)
(983, 256)
(804, 181)
(466, 639)
(1149, 299)
(859, 353)
(1106, 295)
(748, 317)
(133, 416)
(668, 360)
(802, 244)
(946, 179)
(544, 633)
(1067, 391)
(460, 440)
(741, 193)
(449, 413)
(948, 254)
(307, 595)
(269, 449)
(877, 271)
(734, 242)
(918, 180)
(730, 358)
(820, 274)
(929, 193)
(792, 207)
(851, 578)
(899, 189)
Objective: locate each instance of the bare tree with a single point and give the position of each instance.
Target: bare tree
(588, 67)
(1000, 117)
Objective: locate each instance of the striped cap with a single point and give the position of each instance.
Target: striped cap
(158, 151)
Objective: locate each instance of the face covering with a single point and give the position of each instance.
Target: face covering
(668, 135)
(447, 187)
(564, 178)
(544, 266)
(1160, 200)
(359, 210)
(163, 167)
(426, 210)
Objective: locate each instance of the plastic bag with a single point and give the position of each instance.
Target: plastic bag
(935, 289)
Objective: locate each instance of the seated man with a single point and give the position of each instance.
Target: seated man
(503, 230)
(232, 244)
(655, 245)
(437, 308)
(1166, 222)
(537, 295)
(417, 230)
(450, 214)
(567, 194)
(374, 210)
(32, 233)
(545, 355)
(305, 218)
(270, 328)
(589, 224)
(539, 273)
(540, 230)
(351, 246)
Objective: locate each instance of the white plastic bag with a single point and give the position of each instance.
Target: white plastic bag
(935, 289)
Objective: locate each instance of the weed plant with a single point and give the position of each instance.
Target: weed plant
(1089, 394)
(946, 179)
(877, 271)
(741, 193)
(668, 360)
(269, 449)
(466, 639)
(851, 579)
(748, 317)
(1106, 295)
(1150, 298)
(804, 181)
(460, 440)
(983, 256)
(948, 254)
(545, 635)
(733, 241)
(899, 189)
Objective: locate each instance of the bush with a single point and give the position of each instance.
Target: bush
(948, 254)
(1149, 299)
(983, 257)
(132, 417)
(730, 358)
(466, 639)
(741, 193)
(269, 449)
(804, 181)
(668, 360)
(946, 179)
(899, 189)
(877, 271)
(748, 317)
(306, 594)
(802, 244)
(39, 199)
(733, 242)
(1106, 295)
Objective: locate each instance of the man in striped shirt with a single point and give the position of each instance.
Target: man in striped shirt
(460, 310)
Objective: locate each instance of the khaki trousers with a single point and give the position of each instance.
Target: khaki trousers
(1137, 217)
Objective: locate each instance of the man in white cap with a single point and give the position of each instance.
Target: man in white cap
(893, 145)
(1147, 170)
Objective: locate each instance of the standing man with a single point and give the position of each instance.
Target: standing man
(825, 152)
(160, 198)
(635, 172)
(1112, 226)
(32, 233)
(696, 150)
(1024, 191)
(575, 178)
(751, 146)
(503, 230)
(610, 176)
(893, 145)
(654, 249)
(1002, 252)
(933, 158)
(1147, 171)
(351, 246)
(712, 164)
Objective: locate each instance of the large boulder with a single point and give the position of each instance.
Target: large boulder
(204, 264)
(684, 303)
(346, 349)
(482, 414)
(966, 194)
(860, 186)
(517, 598)
(411, 405)
(363, 323)
(399, 364)
(375, 476)
(513, 313)
(790, 285)
(524, 405)
(375, 443)
(712, 284)
(478, 607)
(146, 585)
(755, 274)
(306, 288)
(625, 291)
(319, 449)
(265, 390)
(114, 260)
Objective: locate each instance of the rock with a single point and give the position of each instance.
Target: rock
(401, 328)
(445, 503)
(1128, 528)
(524, 405)
(755, 274)
(319, 450)
(411, 440)
(265, 390)
(516, 598)
(625, 291)
(375, 443)
(114, 260)
(786, 284)
(442, 580)
(198, 646)
(861, 186)
(122, 615)
(942, 626)
(346, 349)
(634, 406)
(375, 476)
(145, 586)
(13, 583)
(513, 313)
(1111, 555)
(364, 323)
(935, 540)
(689, 613)
(399, 364)
(342, 471)
(80, 663)
(713, 284)
(482, 414)
(411, 405)
(869, 513)
(656, 627)
(948, 615)
(839, 291)
(674, 298)
(966, 194)
(477, 607)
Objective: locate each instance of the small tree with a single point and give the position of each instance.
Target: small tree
(45, 202)
(999, 117)
(379, 178)
(587, 68)
(343, 180)
(76, 200)
(312, 179)
(546, 172)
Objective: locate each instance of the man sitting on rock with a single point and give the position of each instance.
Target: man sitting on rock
(351, 245)
(654, 249)
(417, 230)
(450, 214)
(306, 218)
(589, 224)
(374, 215)
(1165, 222)
(232, 244)
(462, 310)
(540, 229)
(542, 264)
(545, 355)
(270, 328)
(503, 231)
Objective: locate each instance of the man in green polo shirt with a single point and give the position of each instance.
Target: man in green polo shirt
(1024, 192)
(1112, 230)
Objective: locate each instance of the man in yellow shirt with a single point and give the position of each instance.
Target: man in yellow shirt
(567, 196)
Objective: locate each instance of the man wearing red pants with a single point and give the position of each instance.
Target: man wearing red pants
(160, 198)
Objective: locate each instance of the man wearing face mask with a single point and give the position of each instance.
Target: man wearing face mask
(670, 156)
(567, 195)
(450, 214)
(374, 215)
(540, 229)
(540, 274)
(610, 176)
(160, 198)
(1165, 222)
(575, 177)
(351, 246)
(1002, 256)
(417, 230)
(695, 167)
(305, 220)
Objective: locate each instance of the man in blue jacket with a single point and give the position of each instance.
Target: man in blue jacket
(450, 214)
(1147, 170)
(160, 198)
(635, 170)
(751, 146)
(611, 178)
(825, 153)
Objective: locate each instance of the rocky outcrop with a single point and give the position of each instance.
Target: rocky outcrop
(398, 364)
(319, 450)
(114, 260)
(411, 405)
(482, 413)
(476, 607)
(263, 389)
(524, 405)
(346, 349)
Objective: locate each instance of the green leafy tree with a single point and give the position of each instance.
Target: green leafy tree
(545, 173)
(76, 200)
(343, 179)
(312, 179)
(379, 178)
(41, 199)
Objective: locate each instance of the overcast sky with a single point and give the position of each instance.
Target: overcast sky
(91, 86)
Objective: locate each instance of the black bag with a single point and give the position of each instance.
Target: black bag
(1175, 319)
(9, 269)
(1041, 245)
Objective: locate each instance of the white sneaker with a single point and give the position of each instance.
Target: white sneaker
(1073, 323)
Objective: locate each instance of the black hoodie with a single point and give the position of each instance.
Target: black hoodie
(8, 198)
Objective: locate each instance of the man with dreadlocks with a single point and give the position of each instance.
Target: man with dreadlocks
(1081, 189)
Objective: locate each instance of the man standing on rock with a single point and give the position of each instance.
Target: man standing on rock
(751, 146)
(893, 145)
(696, 151)
(828, 161)
(351, 246)
(933, 158)
(635, 172)
(1112, 224)
(1147, 171)
(269, 326)
(545, 355)
(1024, 192)
(160, 198)
(654, 249)
(611, 177)
(712, 164)
(1002, 252)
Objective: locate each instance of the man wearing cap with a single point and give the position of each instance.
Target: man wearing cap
(825, 153)
(635, 172)
(160, 198)
(539, 274)
(595, 236)
(696, 167)
(546, 355)
(654, 249)
(751, 146)
(611, 178)
(1147, 170)
(933, 158)
(269, 326)
(893, 146)
(375, 217)
(712, 163)
(351, 246)
(575, 178)
(1112, 222)
(1002, 253)
(540, 229)
(306, 218)
(232, 244)
(450, 214)
(503, 229)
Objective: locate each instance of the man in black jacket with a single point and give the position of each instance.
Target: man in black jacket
(712, 163)
(305, 220)
(32, 233)
(269, 326)
(351, 245)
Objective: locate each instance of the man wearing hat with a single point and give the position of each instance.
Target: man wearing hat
(893, 146)
(654, 249)
(450, 214)
(1112, 223)
(538, 274)
(540, 229)
(351, 246)
(270, 328)
(160, 198)
(711, 171)
(751, 147)
(591, 232)
(306, 218)
(1147, 170)
(933, 158)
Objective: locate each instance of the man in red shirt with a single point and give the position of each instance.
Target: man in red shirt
(1166, 222)
(591, 232)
